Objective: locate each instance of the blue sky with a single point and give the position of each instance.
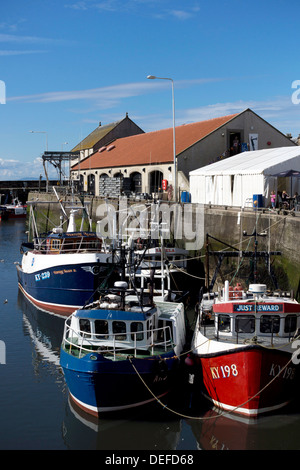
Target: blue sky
(68, 64)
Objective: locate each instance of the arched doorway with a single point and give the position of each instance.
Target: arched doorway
(136, 182)
(155, 181)
(80, 184)
(91, 184)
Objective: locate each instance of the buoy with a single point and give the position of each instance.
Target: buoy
(238, 291)
(189, 361)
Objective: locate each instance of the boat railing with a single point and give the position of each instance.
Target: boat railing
(115, 343)
(60, 246)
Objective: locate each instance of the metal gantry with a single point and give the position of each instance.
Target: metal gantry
(56, 159)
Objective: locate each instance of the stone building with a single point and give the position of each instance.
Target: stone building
(146, 160)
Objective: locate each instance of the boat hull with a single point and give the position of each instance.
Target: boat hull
(99, 385)
(13, 212)
(249, 380)
(63, 288)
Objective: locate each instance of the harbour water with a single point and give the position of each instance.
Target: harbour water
(36, 413)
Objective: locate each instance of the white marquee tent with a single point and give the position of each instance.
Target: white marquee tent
(235, 180)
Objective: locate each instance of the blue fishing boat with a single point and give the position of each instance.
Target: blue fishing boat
(61, 269)
(122, 351)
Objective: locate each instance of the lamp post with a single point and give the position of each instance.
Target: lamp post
(153, 77)
(46, 135)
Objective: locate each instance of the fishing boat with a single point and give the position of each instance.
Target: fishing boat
(61, 269)
(122, 351)
(245, 350)
(13, 211)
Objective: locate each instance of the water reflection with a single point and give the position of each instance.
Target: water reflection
(215, 431)
(45, 332)
(82, 431)
(180, 425)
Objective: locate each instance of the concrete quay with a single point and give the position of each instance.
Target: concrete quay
(277, 231)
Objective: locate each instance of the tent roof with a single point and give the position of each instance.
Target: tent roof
(267, 161)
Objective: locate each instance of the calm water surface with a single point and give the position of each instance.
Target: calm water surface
(35, 411)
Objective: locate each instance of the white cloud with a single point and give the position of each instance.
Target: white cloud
(18, 170)
(16, 39)
(132, 6)
(107, 96)
(180, 14)
(10, 53)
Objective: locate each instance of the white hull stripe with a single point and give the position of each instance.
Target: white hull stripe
(245, 411)
(95, 409)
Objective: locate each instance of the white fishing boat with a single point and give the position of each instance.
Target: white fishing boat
(123, 351)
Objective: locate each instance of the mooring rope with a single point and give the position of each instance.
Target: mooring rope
(220, 413)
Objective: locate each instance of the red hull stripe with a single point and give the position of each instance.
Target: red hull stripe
(63, 310)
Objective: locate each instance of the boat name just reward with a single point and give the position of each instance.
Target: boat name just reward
(258, 308)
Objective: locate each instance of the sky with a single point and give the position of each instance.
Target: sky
(66, 65)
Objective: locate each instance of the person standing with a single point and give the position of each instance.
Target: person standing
(273, 199)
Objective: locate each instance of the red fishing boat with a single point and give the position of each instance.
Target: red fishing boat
(245, 350)
(13, 211)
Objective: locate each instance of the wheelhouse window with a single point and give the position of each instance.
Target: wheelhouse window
(119, 329)
(101, 328)
(269, 323)
(224, 323)
(290, 323)
(55, 245)
(85, 326)
(136, 329)
(245, 324)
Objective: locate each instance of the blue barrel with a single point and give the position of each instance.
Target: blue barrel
(185, 196)
(257, 200)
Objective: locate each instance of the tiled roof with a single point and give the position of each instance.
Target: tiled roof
(94, 137)
(151, 147)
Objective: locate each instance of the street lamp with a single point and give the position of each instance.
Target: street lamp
(153, 77)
